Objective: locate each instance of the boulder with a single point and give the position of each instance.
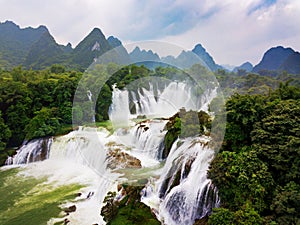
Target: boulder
(121, 160)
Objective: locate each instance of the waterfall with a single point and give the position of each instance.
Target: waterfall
(33, 151)
(148, 137)
(184, 187)
(164, 103)
(179, 190)
(90, 95)
(78, 157)
(144, 141)
(183, 193)
(156, 103)
(83, 146)
(119, 112)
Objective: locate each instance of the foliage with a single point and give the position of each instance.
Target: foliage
(5, 133)
(129, 210)
(242, 112)
(286, 204)
(185, 124)
(44, 123)
(278, 141)
(247, 216)
(257, 169)
(27, 95)
(221, 216)
(242, 176)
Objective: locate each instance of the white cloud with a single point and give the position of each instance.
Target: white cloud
(233, 35)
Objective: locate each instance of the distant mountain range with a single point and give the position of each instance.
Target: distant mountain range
(37, 49)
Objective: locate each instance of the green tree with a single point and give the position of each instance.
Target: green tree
(221, 216)
(242, 177)
(44, 123)
(5, 133)
(277, 139)
(286, 204)
(242, 112)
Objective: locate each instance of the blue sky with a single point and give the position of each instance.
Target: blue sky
(232, 31)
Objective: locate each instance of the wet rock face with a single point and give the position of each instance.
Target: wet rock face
(203, 221)
(121, 160)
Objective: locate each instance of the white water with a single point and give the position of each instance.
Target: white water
(90, 97)
(76, 158)
(164, 103)
(180, 194)
(35, 150)
(83, 147)
(119, 112)
(183, 193)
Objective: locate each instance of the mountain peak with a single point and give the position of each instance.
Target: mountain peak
(9, 23)
(136, 49)
(96, 31)
(90, 48)
(43, 27)
(198, 48)
(273, 58)
(114, 42)
(138, 55)
(247, 67)
(209, 61)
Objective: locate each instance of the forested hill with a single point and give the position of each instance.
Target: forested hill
(36, 48)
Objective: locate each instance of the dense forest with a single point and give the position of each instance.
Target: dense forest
(257, 169)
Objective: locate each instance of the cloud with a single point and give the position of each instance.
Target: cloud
(234, 36)
(231, 31)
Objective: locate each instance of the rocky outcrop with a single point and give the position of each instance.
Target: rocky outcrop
(70, 209)
(203, 221)
(117, 159)
(126, 207)
(185, 124)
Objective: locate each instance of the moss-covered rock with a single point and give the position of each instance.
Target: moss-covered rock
(185, 124)
(129, 210)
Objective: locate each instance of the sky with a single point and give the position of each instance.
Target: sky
(232, 31)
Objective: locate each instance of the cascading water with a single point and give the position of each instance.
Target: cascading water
(119, 112)
(90, 97)
(180, 193)
(184, 192)
(79, 158)
(165, 103)
(82, 147)
(33, 151)
(148, 137)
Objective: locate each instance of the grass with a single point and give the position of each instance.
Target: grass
(27, 200)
